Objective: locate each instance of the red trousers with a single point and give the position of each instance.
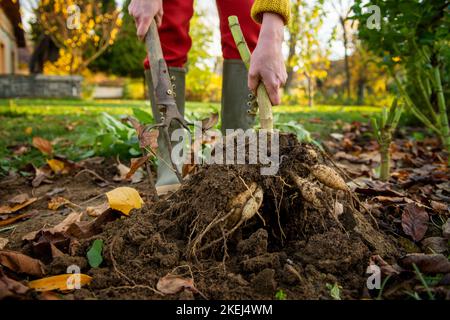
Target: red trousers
(174, 31)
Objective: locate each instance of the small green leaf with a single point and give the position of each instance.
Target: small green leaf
(280, 295)
(142, 116)
(335, 291)
(94, 254)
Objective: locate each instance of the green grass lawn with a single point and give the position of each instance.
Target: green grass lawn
(67, 120)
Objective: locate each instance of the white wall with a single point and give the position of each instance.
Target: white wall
(8, 40)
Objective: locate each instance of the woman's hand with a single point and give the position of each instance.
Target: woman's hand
(144, 11)
(267, 63)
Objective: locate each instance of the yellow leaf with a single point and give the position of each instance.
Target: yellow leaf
(56, 165)
(62, 282)
(124, 199)
(29, 130)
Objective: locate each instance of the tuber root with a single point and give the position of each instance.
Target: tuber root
(329, 177)
(309, 191)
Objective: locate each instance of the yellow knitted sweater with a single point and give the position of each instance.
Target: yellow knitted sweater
(281, 7)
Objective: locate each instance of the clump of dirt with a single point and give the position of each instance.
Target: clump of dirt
(304, 233)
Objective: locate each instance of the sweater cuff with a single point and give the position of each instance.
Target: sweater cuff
(281, 7)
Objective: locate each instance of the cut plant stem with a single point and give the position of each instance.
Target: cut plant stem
(265, 106)
(383, 130)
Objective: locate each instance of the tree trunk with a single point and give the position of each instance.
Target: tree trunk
(289, 80)
(347, 62)
(361, 91)
(310, 91)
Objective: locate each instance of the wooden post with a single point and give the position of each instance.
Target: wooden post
(265, 106)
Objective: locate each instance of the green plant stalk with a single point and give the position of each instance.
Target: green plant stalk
(445, 131)
(385, 165)
(414, 108)
(426, 98)
(424, 283)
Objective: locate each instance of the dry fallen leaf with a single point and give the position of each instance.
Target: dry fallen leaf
(64, 225)
(427, 263)
(415, 221)
(439, 206)
(146, 138)
(8, 209)
(124, 199)
(10, 288)
(210, 122)
(124, 174)
(136, 163)
(3, 243)
(43, 145)
(56, 165)
(97, 210)
(435, 245)
(386, 268)
(21, 263)
(172, 284)
(42, 174)
(14, 219)
(62, 282)
(19, 199)
(58, 202)
(446, 229)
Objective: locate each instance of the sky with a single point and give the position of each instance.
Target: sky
(209, 7)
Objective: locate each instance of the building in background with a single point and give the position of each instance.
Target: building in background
(12, 37)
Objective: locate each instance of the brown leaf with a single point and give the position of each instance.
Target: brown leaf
(41, 174)
(435, 245)
(149, 139)
(85, 229)
(146, 138)
(21, 263)
(43, 145)
(19, 199)
(446, 229)
(386, 268)
(210, 122)
(415, 221)
(136, 163)
(8, 209)
(10, 288)
(172, 284)
(3, 243)
(97, 210)
(427, 263)
(58, 202)
(20, 150)
(44, 243)
(439, 206)
(64, 225)
(123, 172)
(14, 219)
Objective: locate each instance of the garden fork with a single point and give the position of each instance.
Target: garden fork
(163, 91)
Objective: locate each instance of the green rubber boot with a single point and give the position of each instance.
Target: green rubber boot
(238, 102)
(165, 174)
